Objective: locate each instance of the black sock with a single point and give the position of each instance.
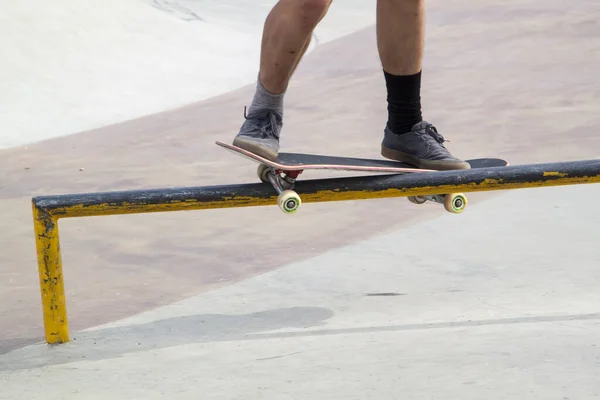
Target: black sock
(404, 101)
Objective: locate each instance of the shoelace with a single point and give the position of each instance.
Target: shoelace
(432, 131)
(267, 122)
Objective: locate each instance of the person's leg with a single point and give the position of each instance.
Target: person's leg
(400, 41)
(286, 36)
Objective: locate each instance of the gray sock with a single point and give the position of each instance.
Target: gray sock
(264, 100)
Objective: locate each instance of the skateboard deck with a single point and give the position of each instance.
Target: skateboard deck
(282, 174)
(287, 162)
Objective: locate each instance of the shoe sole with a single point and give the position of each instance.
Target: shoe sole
(439, 165)
(254, 148)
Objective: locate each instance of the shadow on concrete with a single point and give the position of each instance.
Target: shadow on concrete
(106, 343)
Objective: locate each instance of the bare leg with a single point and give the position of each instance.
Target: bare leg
(401, 35)
(286, 36)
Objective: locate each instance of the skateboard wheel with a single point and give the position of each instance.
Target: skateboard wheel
(416, 199)
(289, 201)
(262, 172)
(455, 203)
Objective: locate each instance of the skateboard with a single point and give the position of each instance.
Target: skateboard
(283, 172)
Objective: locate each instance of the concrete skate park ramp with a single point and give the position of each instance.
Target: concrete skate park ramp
(73, 67)
(365, 299)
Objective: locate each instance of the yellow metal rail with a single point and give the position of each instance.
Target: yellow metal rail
(47, 210)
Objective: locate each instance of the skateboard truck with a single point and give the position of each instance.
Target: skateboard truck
(454, 203)
(288, 200)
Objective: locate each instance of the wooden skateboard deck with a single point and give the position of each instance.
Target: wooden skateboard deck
(287, 162)
(282, 174)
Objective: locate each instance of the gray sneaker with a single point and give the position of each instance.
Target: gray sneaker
(422, 147)
(260, 133)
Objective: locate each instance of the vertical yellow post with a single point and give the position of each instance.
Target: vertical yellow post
(51, 276)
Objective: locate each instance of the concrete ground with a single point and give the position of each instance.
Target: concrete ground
(474, 306)
(360, 299)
